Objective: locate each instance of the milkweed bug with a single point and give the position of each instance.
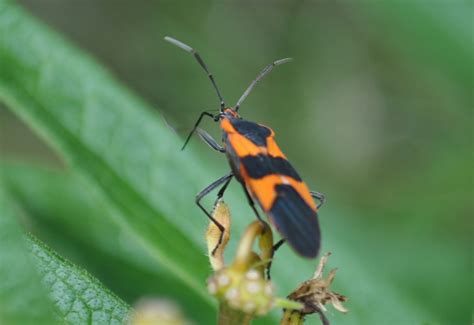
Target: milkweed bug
(260, 166)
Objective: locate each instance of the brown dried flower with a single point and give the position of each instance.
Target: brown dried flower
(314, 294)
(242, 287)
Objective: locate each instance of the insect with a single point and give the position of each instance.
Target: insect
(262, 169)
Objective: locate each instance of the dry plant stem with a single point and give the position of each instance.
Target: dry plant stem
(318, 274)
(292, 318)
(323, 317)
(229, 316)
(222, 214)
(314, 294)
(241, 288)
(244, 257)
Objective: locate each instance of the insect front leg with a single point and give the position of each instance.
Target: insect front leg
(223, 180)
(203, 114)
(209, 140)
(318, 196)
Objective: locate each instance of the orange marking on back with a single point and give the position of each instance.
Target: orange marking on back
(303, 190)
(273, 149)
(243, 146)
(263, 189)
(227, 126)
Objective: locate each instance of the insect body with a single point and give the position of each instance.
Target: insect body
(260, 166)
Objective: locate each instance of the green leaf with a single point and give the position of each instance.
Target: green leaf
(78, 224)
(36, 189)
(106, 134)
(79, 298)
(129, 156)
(22, 298)
(419, 27)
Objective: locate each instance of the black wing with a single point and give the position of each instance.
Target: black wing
(296, 221)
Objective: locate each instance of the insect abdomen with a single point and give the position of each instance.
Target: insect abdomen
(296, 221)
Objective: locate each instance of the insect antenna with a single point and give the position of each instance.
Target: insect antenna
(198, 58)
(260, 76)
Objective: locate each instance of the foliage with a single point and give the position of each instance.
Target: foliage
(124, 207)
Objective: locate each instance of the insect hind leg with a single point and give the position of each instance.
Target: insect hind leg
(274, 249)
(223, 180)
(318, 196)
(221, 192)
(252, 203)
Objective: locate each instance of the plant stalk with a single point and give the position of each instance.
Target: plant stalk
(229, 316)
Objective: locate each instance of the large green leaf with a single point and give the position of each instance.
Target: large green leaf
(22, 298)
(79, 298)
(129, 156)
(106, 134)
(43, 191)
(78, 224)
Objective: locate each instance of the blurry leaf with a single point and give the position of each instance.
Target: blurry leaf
(22, 298)
(78, 224)
(79, 298)
(107, 135)
(133, 160)
(441, 30)
(357, 255)
(60, 201)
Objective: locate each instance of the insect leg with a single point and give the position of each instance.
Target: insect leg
(318, 196)
(278, 245)
(195, 127)
(223, 180)
(275, 248)
(207, 138)
(220, 194)
(252, 203)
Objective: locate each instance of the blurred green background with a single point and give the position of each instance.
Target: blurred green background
(375, 112)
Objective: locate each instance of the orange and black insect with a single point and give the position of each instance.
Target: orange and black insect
(260, 166)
